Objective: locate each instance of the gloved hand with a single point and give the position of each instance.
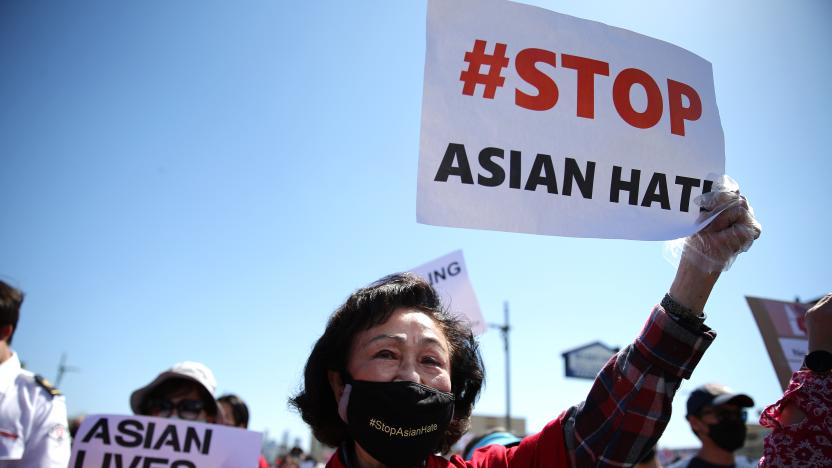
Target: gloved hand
(715, 247)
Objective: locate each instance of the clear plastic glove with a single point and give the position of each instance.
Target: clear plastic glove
(715, 247)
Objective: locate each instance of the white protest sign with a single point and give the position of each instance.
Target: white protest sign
(449, 276)
(106, 441)
(538, 122)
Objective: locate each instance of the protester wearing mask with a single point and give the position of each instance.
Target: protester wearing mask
(185, 391)
(717, 416)
(394, 377)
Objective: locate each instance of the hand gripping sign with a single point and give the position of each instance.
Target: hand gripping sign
(449, 276)
(105, 441)
(538, 122)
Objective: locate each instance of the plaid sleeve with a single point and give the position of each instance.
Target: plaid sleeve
(629, 404)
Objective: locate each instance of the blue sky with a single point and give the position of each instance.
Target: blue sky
(209, 180)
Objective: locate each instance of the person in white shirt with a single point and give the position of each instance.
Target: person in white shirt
(33, 422)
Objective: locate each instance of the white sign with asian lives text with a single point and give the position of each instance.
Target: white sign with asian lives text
(105, 441)
(538, 122)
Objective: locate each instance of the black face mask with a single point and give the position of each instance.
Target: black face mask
(397, 423)
(728, 435)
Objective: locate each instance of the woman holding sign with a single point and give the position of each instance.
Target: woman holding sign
(393, 379)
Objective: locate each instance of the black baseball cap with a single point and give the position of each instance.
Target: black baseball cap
(715, 395)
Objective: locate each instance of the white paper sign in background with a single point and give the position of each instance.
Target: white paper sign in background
(141, 441)
(449, 276)
(794, 349)
(538, 122)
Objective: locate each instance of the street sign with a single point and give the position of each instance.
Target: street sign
(586, 361)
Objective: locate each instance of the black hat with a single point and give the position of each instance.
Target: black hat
(715, 395)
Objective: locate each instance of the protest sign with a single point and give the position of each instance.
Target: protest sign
(449, 276)
(538, 122)
(105, 441)
(783, 328)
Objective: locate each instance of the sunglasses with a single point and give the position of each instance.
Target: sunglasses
(727, 414)
(185, 409)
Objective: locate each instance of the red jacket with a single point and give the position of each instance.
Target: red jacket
(544, 449)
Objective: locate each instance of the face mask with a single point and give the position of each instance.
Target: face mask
(728, 435)
(397, 423)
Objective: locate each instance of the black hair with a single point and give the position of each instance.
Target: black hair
(10, 301)
(239, 410)
(364, 309)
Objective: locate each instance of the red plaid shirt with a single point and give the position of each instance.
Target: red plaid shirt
(623, 416)
(629, 404)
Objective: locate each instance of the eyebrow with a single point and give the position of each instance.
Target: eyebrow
(401, 339)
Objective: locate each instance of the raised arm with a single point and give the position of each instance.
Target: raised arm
(709, 252)
(629, 404)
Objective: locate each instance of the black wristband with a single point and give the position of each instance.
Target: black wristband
(685, 316)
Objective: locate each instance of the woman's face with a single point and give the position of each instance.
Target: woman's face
(409, 346)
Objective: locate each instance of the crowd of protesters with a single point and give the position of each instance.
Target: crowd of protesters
(392, 357)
